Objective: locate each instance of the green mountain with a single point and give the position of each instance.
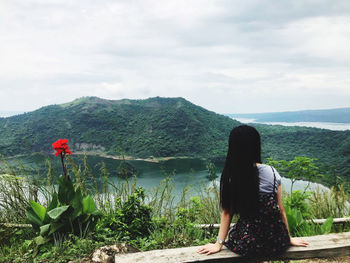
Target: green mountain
(341, 115)
(153, 127)
(161, 127)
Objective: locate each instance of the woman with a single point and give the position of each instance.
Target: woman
(253, 191)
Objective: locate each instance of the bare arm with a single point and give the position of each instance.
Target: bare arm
(293, 241)
(224, 226)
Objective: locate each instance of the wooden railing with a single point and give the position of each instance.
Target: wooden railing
(341, 220)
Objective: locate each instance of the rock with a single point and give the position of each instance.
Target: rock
(107, 254)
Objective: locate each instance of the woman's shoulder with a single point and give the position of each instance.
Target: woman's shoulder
(265, 166)
(268, 169)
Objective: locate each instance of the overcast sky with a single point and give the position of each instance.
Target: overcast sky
(227, 56)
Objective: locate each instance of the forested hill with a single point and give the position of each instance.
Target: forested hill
(142, 128)
(160, 127)
(341, 115)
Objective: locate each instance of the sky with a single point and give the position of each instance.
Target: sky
(228, 56)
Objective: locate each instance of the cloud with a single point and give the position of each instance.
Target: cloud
(225, 55)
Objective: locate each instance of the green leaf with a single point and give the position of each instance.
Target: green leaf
(57, 226)
(327, 226)
(65, 190)
(33, 218)
(97, 213)
(88, 205)
(44, 229)
(40, 240)
(299, 217)
(54, 202)
(77, 204)
(57, 212)
(39, 210)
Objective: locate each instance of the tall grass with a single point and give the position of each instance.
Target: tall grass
(335, 203)
(16, 190)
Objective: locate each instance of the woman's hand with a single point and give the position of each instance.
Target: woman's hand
(210, 248)
(298, 242)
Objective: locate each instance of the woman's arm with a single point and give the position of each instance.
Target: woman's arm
(224, 226)
(293, 241)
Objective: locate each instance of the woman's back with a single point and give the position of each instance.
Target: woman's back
(251, 190)
(265, 233)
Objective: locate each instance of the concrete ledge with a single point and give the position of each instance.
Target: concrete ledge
(323, 246)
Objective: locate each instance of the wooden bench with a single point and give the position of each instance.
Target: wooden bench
(323, 246)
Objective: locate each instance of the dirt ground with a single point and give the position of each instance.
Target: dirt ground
(328, 260)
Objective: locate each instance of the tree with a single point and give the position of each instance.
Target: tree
(300, 168)
(296, 169)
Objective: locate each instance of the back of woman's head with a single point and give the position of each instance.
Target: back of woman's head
(239, 184)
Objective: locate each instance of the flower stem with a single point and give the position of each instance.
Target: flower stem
(63, 166)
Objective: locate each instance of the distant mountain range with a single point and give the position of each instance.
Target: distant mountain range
(341, 115)
(160, 127)
(9, 113)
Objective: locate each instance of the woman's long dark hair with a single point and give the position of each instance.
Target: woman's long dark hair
(239, 184)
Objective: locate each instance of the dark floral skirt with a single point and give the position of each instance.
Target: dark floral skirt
(263, 235)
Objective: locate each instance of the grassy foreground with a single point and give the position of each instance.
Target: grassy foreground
(127, 214)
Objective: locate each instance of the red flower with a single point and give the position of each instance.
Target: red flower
(61, 147)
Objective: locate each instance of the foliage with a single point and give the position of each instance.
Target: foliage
(298, 201)
(126, 170)
(209, 196)
(211, 171)
(298, 226)
(161, 198)
(297, 169)
(15, 193)
(68, 212)
(148, 220)
(336, 202)
(165, 127)
(178, 233)
(73, 248)
(127, 220)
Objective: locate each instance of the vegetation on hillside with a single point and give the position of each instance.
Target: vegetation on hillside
(160, 127)
(153, 127)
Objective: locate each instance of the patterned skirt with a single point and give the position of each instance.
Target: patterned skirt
(263, 235)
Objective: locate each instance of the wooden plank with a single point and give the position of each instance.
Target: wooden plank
(340, 220)
(322, 246)
(335, 220)
(11, 225)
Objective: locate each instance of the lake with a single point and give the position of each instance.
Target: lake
(322, 125)
(184, 172)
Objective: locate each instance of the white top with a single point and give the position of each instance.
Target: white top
(266, 178)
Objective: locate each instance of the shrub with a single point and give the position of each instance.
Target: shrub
(128, 220)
